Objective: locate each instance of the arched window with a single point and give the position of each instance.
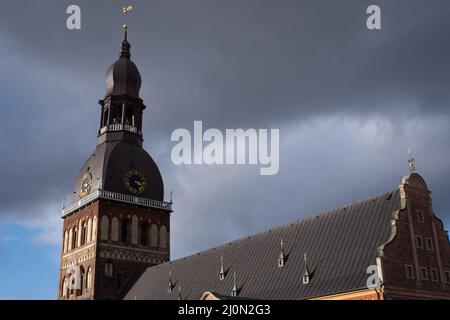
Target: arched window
(66, 241)
(80, 231)
(153, 235)
(74, 237)
(89, 230)
(144, 234)
(89, 279)
(84, 234)
(108, 269)
(134, 229)
(94, 228)
(124, 227)
(80, 290)
(163, 237)
(104, 228)
(115, 229)
(69, 244)
(64, 288)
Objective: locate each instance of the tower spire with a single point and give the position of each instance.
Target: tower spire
(125, 44)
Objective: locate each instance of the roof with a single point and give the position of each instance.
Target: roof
(109, 164)
(339, 244)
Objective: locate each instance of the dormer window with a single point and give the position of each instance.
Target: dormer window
(281, 255)
(306, 278)
(222, 270)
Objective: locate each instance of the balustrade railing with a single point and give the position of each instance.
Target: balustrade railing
(114, 196)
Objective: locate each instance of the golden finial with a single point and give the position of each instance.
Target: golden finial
(125, 11)
(412, 167)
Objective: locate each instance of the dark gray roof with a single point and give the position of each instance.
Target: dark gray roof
(123, 77)
(340, 245)
(109, 164)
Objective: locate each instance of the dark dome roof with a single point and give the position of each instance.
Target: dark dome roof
(123, 76)
(111, 161)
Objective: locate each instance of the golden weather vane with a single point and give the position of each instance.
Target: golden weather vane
(125, 11)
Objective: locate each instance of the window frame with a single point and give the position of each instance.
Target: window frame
(434, 271)
(429, 241)
(422, 277)
(419, 242)
(409, 268)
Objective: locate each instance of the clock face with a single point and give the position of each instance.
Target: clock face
(135, 182)
(86, 184)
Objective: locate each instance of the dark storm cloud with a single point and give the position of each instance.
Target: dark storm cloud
(229, 63)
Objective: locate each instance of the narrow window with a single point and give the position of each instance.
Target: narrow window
(419, 242)
(429, 243)
(447, 276)
(434, 275)
(423, 273)
(144, 234)
(89, 279)
(124, 230)
(409, 271)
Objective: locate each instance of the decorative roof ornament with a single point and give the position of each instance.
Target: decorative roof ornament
(125, 45)
(306, 274)
(281, 255)
(171, 194)
(125, 11)
(170, 286)
(412, 167)
(179, 293)
(234, 291)
(222, 269)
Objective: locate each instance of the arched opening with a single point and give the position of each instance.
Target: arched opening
(129, 117)
(79, 290)
(153, 235)
(84, 234)
(115, 229)
(104, 228)
(163, 237)
(124, 230)
(89, 230)
(116, 115)
(94, 228)
(64, 288)
(134, 229)
(66, 240)
(144, 234)
(89, 279)
(69, 244)
(74, 237)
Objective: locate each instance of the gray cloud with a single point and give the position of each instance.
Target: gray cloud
(348, 102)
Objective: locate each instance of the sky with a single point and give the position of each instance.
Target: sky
(348, 102)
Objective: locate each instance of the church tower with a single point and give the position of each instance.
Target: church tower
(118, 223)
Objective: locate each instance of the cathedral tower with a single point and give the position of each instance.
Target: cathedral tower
(118, 223)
